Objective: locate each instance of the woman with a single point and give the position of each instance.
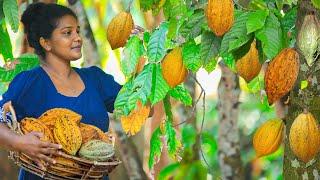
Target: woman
(53, 31)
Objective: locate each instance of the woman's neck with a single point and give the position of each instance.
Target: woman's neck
(57, 66)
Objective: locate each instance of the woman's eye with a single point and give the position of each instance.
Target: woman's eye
(67, 33)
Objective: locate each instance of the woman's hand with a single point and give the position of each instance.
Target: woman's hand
(39, 151)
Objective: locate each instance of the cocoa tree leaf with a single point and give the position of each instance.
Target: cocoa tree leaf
(132, 123)
(5, 45)
(24, 62)
(258, 4)
(155, 147)
(174, 9)
(191, 171)
(167, 171)
(148, 4)
(209, 48)
(191, 28)
(132, 52)
(122, 105)
(182, 94)
(171, 138)
(142, 85)
(316, 3)
(211, 65)
(191, 56)
(288, 27)
(270, 36)
(188, 136)
(256, 20)
(10, 9)
(159, 85)
(229, 61)
(156, 46)
(1, 9)
(237, 36)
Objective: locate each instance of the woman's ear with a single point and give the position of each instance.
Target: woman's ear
(45, 44)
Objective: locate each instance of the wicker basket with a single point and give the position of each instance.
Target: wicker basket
(87, 169)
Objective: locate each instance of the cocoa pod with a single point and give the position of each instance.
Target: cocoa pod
(173, 70)
(308, 37)
(248, 67)
(119, 30)
(31, 124)
(281, 74)
(304, 137)
(96, 150)
(268, 137)
(220, 16)
(67, 133)
(90, 132)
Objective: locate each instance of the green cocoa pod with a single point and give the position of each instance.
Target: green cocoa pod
(96, 150)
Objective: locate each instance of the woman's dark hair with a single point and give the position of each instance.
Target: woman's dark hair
(39, 20)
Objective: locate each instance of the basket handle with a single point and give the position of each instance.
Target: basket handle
(13, 124)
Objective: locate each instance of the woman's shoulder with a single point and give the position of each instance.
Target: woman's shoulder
(28, 75)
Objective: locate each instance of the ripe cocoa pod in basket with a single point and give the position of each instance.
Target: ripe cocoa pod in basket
(304, 137)
(281, 74)
(173, 70)
(220, 16)
(31, 124)
(90, 132)
(268, 137)
(67, 133)
(49, 117)
(119, 30)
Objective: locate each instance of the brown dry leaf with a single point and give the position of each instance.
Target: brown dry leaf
(132, 123)
(281, 74)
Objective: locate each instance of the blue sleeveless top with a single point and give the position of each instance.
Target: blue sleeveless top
(32, 93)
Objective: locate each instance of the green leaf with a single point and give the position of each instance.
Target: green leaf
(142, 85)
(209, 48)
(159, 85)
(191, 56)
(211, 65)
(188, 136)
(174, 26)
(304, 84)
(1, 10)
(149, 4)
(256, 20)
(171, 138)
(25, 62)
(168, 171)
(270, 36)
(121, 105)
(254, 85)
(316, 3)
(192, 27)
(229, 61)
(194, 170)
(156, 46)
(182, 94)
(237, 36)
(288, 27)
(174, 9)
(146, 37)
(258, 4)
(155, 147)
(209, 142)
(132, 52)
(5, 45)
(10, 9)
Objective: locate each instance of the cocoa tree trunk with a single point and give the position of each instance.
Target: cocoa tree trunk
(299, 99)
(228, 136)
(91, 55)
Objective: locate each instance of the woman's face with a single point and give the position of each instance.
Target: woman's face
(66, 41)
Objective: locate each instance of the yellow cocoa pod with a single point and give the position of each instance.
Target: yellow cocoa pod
(281, 74)
(220, 16)
(119, 30)
(304, 137)
(90, 132)
(31, 124)
(173, 70)
(248, 67)
(68, 134)
(268, 137)
(49, 117)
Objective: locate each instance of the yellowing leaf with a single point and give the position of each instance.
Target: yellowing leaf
(132, 123)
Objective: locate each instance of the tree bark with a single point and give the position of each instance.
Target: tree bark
(228, 136)
(91, 55)
(299, 99)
